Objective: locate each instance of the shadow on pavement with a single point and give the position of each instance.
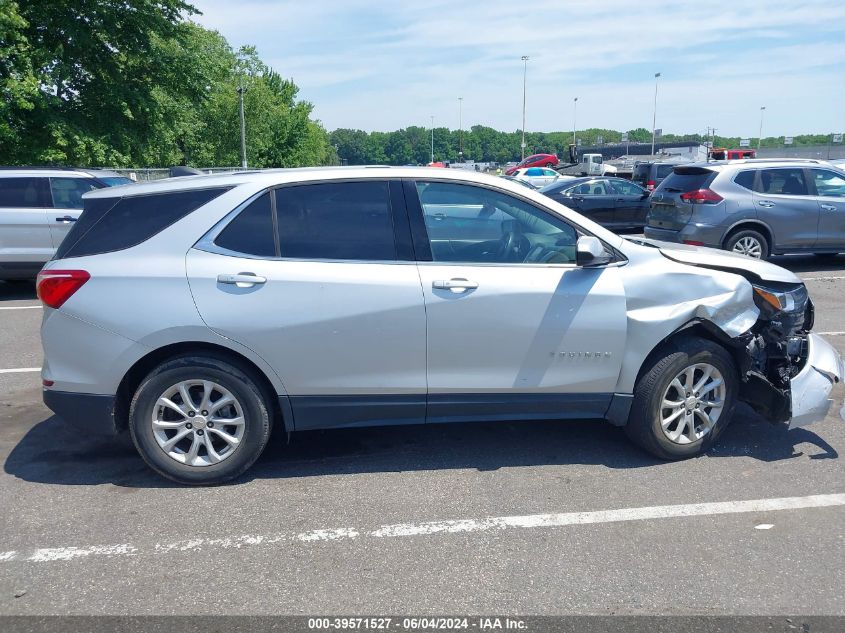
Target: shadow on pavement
(17, 290)
(51, 452)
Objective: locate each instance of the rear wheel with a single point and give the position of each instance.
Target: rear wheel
(748, 242)
(199, 420)
(684, 399)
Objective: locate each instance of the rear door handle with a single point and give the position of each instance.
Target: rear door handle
(66, 219)
(455, 285)
(828, 207)
(241, 280)
(766, 203)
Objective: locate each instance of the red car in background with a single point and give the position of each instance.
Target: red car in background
(535, 160)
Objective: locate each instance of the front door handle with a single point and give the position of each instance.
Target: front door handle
(455, 285)
(766, 203)
(66, 219)
(828, 207)
(241, 280)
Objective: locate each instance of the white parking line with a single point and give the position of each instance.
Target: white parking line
(38, 307)
(20, 370)
(832, 333)
(831, 278)
(563, 519)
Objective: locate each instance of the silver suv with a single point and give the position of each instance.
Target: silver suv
(198, 313)
(753, 207)
(37, 208)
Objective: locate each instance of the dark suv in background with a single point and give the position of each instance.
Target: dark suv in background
(753, 207)
(649, 175)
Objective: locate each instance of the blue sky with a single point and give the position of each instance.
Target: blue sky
(384, 65)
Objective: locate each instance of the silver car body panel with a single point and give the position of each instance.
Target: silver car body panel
(812, 386)
(664, 295)
(387, 314)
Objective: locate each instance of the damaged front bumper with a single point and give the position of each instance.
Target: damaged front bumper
(811, 387)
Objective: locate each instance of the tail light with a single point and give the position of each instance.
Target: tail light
(650, 185)
(693, 242)
(701, 196)
(54, 287)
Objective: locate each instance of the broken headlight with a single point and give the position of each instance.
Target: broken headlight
(785, 306)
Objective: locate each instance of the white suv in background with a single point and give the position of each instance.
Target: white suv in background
(37, 208)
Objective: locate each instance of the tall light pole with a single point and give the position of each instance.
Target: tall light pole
(760, 136)
(524, 59)
(654, 117)
(432, 138)
(460, 129)
(241, 91)
(574, 120)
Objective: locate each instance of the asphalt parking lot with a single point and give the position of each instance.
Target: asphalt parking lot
(517, 518)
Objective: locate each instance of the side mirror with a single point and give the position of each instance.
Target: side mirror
(590, 252)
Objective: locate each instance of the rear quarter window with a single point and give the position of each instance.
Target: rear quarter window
(112, 224)
(745, 179)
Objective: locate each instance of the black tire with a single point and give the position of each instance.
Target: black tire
(644, 423)
(732, 240)
(244, 387)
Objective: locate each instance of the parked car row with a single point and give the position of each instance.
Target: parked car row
(755, 207)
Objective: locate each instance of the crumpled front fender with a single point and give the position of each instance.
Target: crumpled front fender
(812, 386)
(673, 295)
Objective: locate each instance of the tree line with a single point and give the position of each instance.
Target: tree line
(136, 83)
(413, 145)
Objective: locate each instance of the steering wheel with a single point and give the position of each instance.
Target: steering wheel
(513, 247)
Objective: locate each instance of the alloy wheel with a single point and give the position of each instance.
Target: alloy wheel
(198, 422)
(749, 246)
(692, 403)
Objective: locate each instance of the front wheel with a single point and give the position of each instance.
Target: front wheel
(199, 420)
(684, 399)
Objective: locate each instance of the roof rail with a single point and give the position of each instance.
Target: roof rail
(776, 160)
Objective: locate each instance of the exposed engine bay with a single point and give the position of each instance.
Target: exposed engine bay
(776, 348)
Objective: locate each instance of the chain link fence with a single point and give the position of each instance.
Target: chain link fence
(147, 174)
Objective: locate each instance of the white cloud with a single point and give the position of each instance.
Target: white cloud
(382, 65)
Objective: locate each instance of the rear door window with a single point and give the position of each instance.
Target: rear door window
(67, 192)
(783, 181)
(113, 224)
(336, 220)
(25, 193)
(626, 188)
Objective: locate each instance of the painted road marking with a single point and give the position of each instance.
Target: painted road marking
(831, 278)
(831, 333)
(38, 307)
(20, 370)
(563, 519)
